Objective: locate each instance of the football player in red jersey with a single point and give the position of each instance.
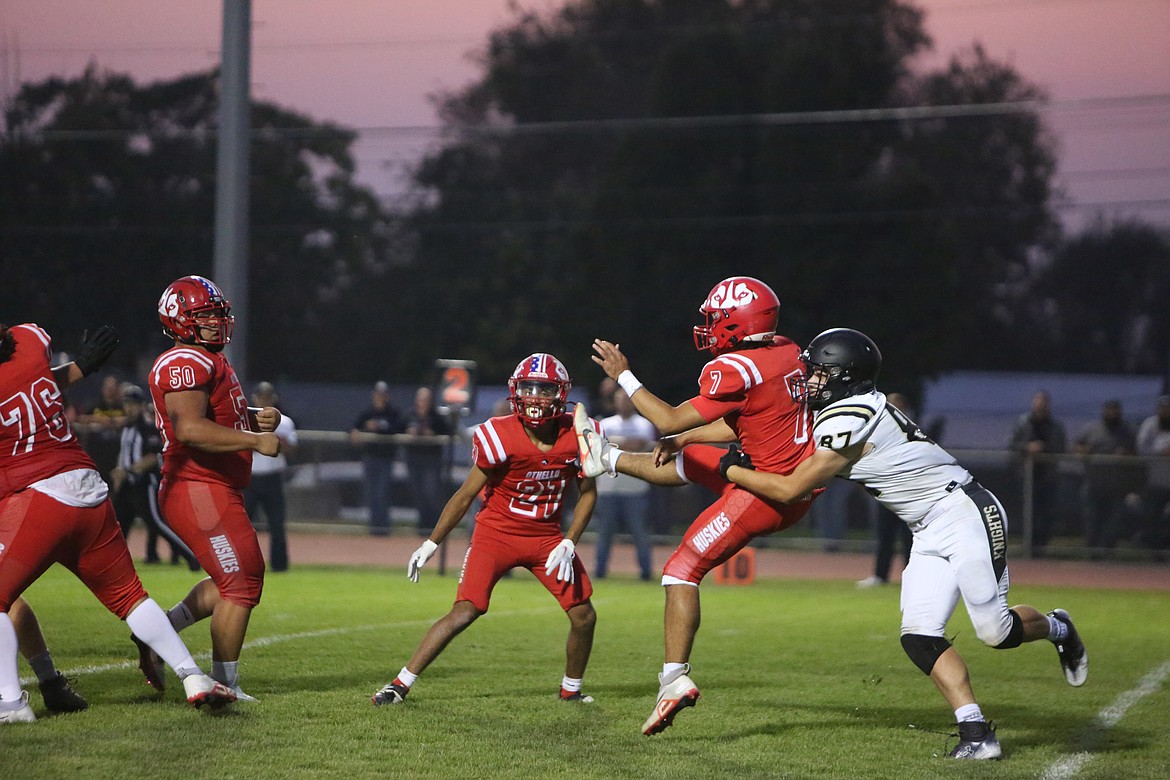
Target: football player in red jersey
(55, 508)
(209, 436)
(750, 392)
(523, 463)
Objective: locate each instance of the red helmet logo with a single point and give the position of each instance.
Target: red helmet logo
(539, 388)
(737, 310)
(194, 310)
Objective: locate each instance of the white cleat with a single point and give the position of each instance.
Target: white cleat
(593, 448)
(201, 689)
(21, 714)
(673, 697)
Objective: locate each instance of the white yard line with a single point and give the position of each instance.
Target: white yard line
(1069, 765)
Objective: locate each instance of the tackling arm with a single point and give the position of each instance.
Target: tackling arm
(813, 472)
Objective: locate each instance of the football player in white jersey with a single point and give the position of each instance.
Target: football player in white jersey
(959, 527)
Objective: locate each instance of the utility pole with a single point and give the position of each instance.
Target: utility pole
(232, 172)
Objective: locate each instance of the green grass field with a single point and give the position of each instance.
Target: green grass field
(799, 679)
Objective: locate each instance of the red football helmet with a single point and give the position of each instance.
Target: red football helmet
(539, 388)
(738, 309)
(191, 306)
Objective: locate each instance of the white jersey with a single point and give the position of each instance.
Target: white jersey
(900, 466)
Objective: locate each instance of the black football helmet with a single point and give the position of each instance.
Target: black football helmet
(848, 361)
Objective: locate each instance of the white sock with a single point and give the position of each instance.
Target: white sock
(406, 677)
(570, 684)
(668, 669)
(180, 616)
(226, 672)
(149, 623)
(968, 712)
(1057, 629)
(614, 454)
(9, 674)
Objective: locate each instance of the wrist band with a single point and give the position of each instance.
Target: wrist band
(628, 382)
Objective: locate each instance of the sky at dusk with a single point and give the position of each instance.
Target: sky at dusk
(371, 64)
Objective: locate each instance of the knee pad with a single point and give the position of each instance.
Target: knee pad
(924, 651)
(1015, 636)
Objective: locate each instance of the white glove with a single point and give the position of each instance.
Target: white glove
(561, 559)
(418, 558)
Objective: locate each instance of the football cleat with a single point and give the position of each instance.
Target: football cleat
(576, 696)
(151, 665)
(201, 689)
(59, 695)
(240, 695)
(392, 693)
(674, 695)
(593, 448)
(1073, 658)
(977, 740)
(22, 713)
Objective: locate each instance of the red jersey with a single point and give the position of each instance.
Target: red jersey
(753, 391)
(526, 486)
(36, 441)
(193, 368)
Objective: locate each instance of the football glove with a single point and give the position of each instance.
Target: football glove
(734, 457)
(418, 559)
(561, 559)
(95, 349)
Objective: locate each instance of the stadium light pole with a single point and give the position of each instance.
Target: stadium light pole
(232, 172)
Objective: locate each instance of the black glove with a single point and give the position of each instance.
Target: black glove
(734, 457)
(96, 349)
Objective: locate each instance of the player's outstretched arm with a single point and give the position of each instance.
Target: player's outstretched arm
(813, 472)
(95, 350)
(666, 418)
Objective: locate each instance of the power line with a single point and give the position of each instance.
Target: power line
(839, 116)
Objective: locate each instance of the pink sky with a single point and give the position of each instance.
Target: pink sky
(370, 64)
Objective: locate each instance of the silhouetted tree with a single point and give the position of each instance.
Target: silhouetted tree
(618, 157)
(107, 194)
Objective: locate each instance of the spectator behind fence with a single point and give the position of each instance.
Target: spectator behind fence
(606, 406)
(103, 421)
(266, 490)
(624, 500)
(1038, 433)
(1153, 440)
(383, 419)
(1107, 484)
(891, 530)
(425, 460)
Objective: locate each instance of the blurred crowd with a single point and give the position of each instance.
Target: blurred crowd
(1100, 488)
